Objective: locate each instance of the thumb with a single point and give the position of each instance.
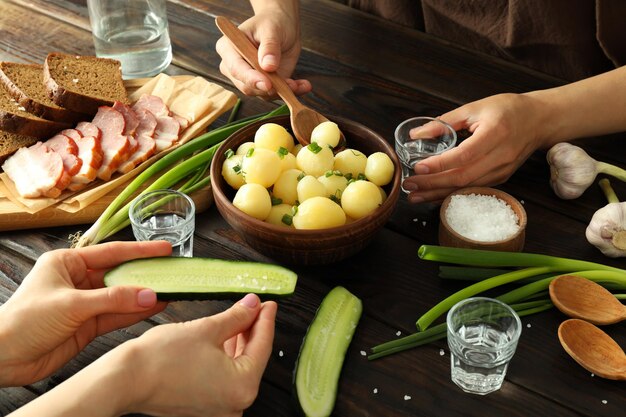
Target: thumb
(237, 319)
(118, 299)
(269, 52)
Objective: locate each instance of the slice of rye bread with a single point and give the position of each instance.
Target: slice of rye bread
(14, 118)
(25, 83)
(11, 142)
(83, 83)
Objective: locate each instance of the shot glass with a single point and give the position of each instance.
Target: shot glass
(165, 215)
(135, 32)
(432, 137)
(482, 336)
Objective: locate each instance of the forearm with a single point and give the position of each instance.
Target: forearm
(99, 390)
(590, 107)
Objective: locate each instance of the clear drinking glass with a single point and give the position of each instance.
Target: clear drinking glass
(433, 137)
(165, 215)
(134, 32)
(482, 336)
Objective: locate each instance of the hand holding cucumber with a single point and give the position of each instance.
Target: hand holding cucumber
(61, 306)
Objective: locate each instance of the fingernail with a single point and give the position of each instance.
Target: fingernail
(250, 301)
(409, 186)
(260, 85)
(146, 298)
(269, 61)
(421, 169)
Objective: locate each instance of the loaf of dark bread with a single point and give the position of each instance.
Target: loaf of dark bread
(25, 84)
(15, 119)
(83, 83)
(11, 142)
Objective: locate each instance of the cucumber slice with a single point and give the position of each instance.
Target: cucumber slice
(175, 278)
(323, 351)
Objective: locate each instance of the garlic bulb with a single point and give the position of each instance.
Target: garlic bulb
(607, 230)
(572, 170)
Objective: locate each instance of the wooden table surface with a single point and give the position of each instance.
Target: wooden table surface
(378, 74)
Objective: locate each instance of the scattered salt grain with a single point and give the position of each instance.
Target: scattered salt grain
(21, 108)
(75, 80)
(522, 201)
(604, 402)
(407, 397)
(483, 218)
(398, 333)
(592, 375)
(415, 220)
(363, 353)
(281, 353)
(375, 390)
(424, 223)
(442, 352)
(529, 325)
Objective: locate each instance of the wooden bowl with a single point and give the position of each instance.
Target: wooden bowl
(306, 247)
(449, 237)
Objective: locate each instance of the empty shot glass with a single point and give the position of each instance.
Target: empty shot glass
(430, 137)
(165, 215)
(482, 336)
(135, 32)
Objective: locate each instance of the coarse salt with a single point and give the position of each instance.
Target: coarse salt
(604, 402)
(375, 390)
(281, 353)
(363, 353)
(398, 333)
(483, 218)
(407, 397)
(442, 352)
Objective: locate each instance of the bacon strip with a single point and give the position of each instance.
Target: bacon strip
(67, 148)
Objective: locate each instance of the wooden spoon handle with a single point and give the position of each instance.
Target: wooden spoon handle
(249, 52)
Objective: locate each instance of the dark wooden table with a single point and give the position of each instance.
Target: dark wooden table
(378, 74)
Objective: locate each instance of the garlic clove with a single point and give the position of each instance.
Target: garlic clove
(572, 170)
(607, 230)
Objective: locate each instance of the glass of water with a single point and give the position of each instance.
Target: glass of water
(482, 336)
(165, 215)
(134, 32)
(419, 138)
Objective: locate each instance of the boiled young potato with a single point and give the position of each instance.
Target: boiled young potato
(335, 183)
(286, 186)
(244, 148)
(326, 134)
(273, 136)
(315, 160)
(231, 171)
(254, 200)
(309, 187)
(379, 168)
(278, 213)
(361, 198)
(318, 213)
(261, 166)
(350, 161)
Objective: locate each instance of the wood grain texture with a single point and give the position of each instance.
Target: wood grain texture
(377, 74)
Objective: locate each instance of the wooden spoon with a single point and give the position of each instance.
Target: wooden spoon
(303, 119)
(581, 298)
(593, 349)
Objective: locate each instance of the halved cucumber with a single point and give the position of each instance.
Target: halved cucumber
(175, 278)
(316, 377)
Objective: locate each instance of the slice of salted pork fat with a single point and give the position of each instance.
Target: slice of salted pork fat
(168, 128)
(36, 171)
(131, 122)
(147, 144)
(90, 152)
(115, 144)
(67, 148)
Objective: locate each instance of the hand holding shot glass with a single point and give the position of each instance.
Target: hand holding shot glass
(482, 336)
(165, 215)
(419, 138)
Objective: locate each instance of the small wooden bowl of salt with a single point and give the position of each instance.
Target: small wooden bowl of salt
(482, 218)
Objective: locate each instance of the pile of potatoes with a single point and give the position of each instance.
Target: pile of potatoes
(305, 187)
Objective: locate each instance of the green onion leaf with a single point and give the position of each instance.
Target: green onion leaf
(314, 147)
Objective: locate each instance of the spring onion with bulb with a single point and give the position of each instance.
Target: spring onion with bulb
(528, 299)
(182, 163)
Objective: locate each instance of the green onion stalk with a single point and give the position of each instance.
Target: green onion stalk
(115, 216)
(528, 299)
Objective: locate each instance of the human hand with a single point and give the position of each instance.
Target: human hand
(277, 33)
(61, 306)
(206, 367)
(504, 134)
